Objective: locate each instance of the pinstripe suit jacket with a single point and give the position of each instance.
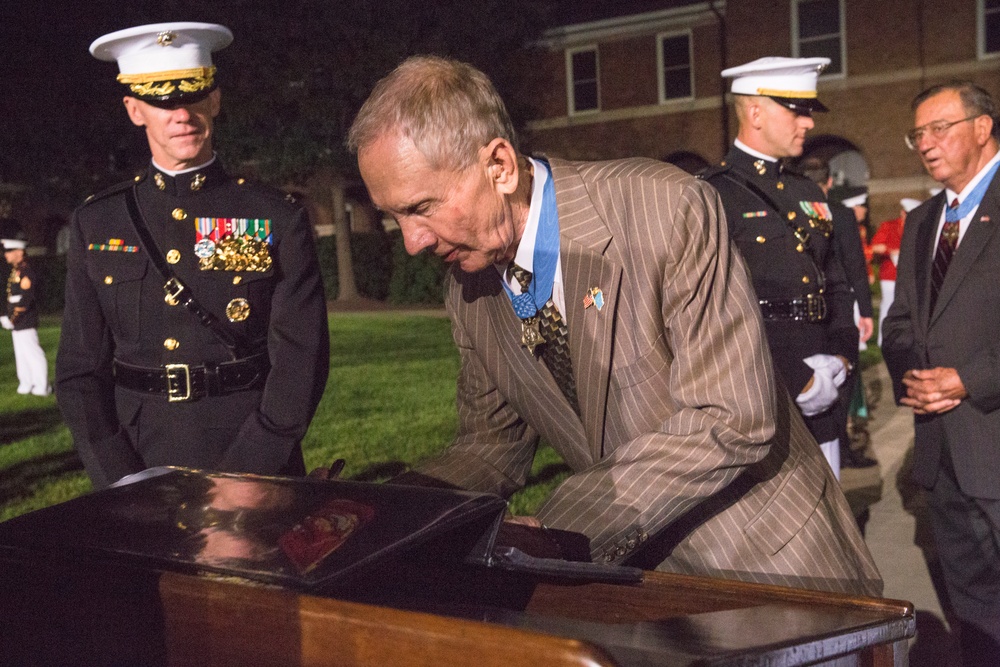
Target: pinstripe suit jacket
(683, 459)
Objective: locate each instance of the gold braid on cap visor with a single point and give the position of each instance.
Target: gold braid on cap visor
(158, 84)
(798, 94)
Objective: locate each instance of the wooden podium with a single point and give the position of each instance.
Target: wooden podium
(66, 604)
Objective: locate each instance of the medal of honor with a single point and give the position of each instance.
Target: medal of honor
(238, 310)
(531, 335)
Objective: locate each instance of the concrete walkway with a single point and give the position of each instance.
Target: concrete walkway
(898, 531)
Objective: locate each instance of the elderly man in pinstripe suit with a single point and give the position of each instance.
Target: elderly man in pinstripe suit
(601, 307)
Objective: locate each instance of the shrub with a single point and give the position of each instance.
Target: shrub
(371, 256)
(418, 279)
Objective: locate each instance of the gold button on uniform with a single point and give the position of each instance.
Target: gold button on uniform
(237, 280)
(171, 344)
(108, 280)
(781, 186)
(238, 310)
(173, 256)
(805, 279)
(791, 215)
(761, 239)
(179, 214)
(800, 247)
(240, 181)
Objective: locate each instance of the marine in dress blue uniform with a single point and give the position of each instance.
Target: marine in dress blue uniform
(783, 227)
(231, 382)
(21, 317)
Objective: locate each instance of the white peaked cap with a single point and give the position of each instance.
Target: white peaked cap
(782, 78)
(908, 204)
(856, 200)
(162, 47)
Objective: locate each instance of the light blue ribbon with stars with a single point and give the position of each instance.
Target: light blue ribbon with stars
(974, 198)
(546, 254)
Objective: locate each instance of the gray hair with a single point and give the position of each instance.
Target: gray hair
(975, 100)
(447, 108)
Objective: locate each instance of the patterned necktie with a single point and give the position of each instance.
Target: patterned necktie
(555, 352)
(942, 256)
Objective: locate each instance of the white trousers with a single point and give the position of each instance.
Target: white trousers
(831, 451)
(29, 359)
(888, 294)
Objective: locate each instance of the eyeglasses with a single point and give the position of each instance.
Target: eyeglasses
(935, 130)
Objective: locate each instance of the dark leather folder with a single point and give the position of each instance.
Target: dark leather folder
(298, 533)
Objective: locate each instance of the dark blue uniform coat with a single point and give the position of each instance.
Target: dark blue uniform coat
(115, 308)
(783, 266)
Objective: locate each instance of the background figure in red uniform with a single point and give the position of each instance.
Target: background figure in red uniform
(885, 251)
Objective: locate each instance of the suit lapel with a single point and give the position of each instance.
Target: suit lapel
(584, 243)
(981, 229)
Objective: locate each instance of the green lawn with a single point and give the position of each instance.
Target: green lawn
(389, 402)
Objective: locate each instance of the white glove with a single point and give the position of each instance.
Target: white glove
(829, 372)
(6, 323)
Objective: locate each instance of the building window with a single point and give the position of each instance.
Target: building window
(818, 31)
(989, 28)
(673, 53)
(581, 78)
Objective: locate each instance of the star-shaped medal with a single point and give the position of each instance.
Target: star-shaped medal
(531, 335)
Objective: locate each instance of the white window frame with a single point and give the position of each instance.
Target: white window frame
(843, 37)
(981, 31)
(660, 66)
(570, 82)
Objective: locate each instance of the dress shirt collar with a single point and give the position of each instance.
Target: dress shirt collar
(757, 154)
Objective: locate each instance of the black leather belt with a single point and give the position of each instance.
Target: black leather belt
(186, 382)
(811, 308)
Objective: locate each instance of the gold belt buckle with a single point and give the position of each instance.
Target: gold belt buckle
(175, 373)
(816, 307)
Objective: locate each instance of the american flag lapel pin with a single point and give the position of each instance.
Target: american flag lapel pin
(594, 297)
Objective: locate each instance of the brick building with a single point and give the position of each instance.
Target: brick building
(641, 77)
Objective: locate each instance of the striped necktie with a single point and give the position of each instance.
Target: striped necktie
(946, 245)
(555, 352)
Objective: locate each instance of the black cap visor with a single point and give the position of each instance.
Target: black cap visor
(804, 106)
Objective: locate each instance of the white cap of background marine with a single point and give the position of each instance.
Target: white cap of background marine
(791, 82)
(165, 62)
